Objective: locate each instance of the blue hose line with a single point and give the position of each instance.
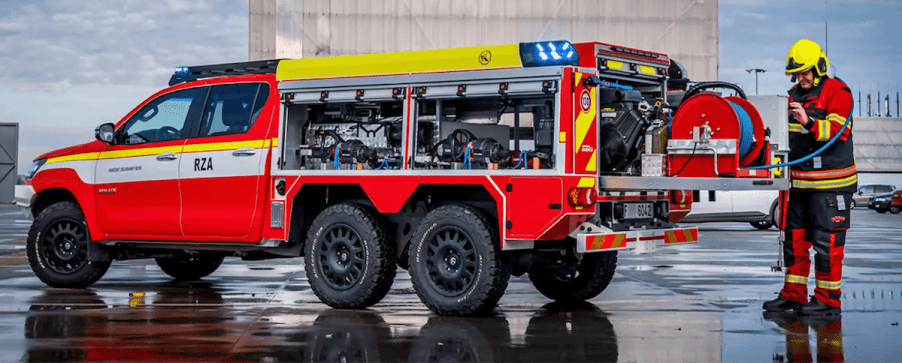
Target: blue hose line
(384, 163)
(609, 84)
(816, 152)
(337, 162)
(746, 131)
(522, 160)
(467, 162)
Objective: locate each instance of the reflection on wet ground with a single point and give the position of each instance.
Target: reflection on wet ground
(692, 303)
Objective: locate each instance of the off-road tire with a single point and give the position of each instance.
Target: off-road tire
(350, 261)
(762, 225)
(57, 248)
(455, 264)
(594, 273)
(188, 267)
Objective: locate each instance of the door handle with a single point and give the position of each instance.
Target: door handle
(244, 151)
(167, 156)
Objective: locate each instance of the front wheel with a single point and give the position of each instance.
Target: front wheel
(350, 262)
(455, 264)
(895, 209)
(187, 267)
(570, 277)
(852, 204)
(57, 248)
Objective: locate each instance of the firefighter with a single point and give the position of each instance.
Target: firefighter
(818, 211)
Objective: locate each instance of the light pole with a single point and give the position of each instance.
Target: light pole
(756, 70)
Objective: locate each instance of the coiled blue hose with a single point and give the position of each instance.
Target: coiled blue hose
(747, 133)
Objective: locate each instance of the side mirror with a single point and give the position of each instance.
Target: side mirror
(105, 133)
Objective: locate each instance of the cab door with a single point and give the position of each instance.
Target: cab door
(137, 189)
(221, 172)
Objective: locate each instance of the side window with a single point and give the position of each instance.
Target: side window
(232, 109)
(163, 119)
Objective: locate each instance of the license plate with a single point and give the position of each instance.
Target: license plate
(638, 210)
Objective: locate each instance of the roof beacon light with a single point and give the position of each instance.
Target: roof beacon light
(181, 70)
(553, 53)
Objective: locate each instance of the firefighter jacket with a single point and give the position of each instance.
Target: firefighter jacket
(827, 105)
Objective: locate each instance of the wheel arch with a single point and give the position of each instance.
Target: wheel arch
(47, 197)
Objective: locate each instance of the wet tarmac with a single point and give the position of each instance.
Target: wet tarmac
(698, 302)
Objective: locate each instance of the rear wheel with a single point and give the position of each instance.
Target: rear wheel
(570, 277)
(190, 266)
(57, 248)
(350, 262)
(455, 264)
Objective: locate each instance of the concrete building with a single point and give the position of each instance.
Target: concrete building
(686, 30)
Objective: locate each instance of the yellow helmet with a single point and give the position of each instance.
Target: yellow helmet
(806, 54)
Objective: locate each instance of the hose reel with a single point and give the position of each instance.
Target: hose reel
(715, 136)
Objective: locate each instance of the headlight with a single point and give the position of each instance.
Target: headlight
(881, 199)
(35, 166)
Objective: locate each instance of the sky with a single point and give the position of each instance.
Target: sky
(67, 66)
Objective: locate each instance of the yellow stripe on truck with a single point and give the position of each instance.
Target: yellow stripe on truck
(76, 157)
(420, 61)
(175, 149)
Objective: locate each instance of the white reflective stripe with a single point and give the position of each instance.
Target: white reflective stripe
(137, 169)
(829, 285)
(84, 168)
(795, 279)
(221, 163)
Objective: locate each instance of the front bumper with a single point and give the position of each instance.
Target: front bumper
(24, 197)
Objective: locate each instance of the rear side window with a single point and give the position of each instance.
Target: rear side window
(233, 109)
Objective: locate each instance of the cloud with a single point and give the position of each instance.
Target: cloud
(49, 45)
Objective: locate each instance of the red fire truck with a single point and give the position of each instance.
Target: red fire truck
(464, 166)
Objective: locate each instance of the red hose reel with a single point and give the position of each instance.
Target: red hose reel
(714, 136)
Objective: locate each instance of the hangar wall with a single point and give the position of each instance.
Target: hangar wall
(877, 147)
(686, 30)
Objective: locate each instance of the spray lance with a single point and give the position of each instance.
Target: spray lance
(784, 195)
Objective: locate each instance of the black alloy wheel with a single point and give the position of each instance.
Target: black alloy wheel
(451, 261)
(349, 259)
(57, 248)
(342, 257)
(456, 266)
(65, 246)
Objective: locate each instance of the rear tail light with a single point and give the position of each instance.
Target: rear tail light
(583, 197)
(681, 196)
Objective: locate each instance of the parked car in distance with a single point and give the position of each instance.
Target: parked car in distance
(896, 202)
(860, 198)
(881, 203)
(758, 208)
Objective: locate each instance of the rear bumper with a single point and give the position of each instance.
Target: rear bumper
(641, 241)
(24, 197)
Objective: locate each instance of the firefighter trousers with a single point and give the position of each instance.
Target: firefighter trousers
(820, 220)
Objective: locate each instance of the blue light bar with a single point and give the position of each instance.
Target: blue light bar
(552, 53)
(181, 70)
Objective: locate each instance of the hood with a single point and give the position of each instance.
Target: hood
(89, 147)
